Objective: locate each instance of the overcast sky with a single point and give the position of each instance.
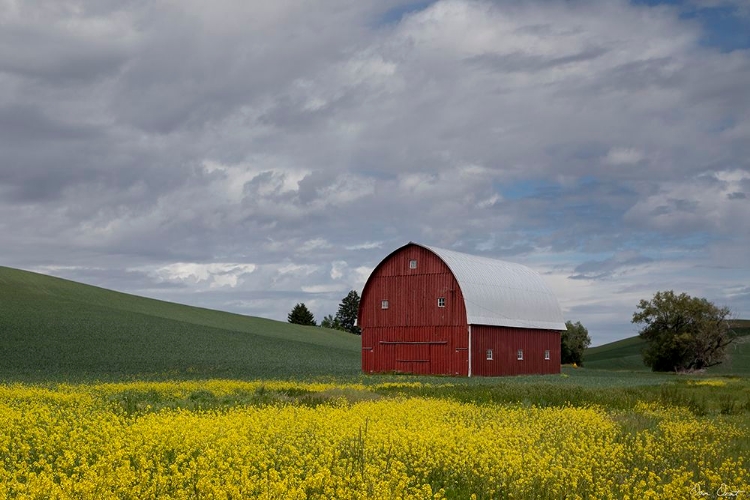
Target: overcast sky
(246, 156)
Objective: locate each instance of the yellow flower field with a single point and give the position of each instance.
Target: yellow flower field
(79, 442)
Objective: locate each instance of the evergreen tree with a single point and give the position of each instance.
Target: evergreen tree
(330, 322)
(347, 313)
(301, 315)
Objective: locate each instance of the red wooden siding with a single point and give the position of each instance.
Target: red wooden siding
(413, 301)
(425, 349)
(413, 335)
(505, 343)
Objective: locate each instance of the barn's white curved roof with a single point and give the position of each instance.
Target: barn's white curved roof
(502, 293)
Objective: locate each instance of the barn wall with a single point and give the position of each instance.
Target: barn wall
(505, 343)
(415, 349)
(414, 334)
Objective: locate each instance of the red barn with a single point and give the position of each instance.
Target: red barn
(434, 311)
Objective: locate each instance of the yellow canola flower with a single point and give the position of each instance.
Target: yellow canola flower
(72, 442)
(711, 382)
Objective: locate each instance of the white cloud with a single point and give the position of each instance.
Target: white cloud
(368, 245)
(337, 269)
(216, 275)
(299, 269)
(360, 275)
(326, 288)
(489, 202)
(624, 156)
(314, 244)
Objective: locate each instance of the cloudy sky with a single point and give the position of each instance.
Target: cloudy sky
(247, 156)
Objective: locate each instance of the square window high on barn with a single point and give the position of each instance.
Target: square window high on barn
(412, 264)
(384, 304)
(441, 301)
(520, 355)
(546, 355)
(489, 354)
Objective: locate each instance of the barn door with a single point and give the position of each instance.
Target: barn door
(461, 366)
(413, 358)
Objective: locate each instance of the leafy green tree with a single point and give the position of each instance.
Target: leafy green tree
(347, 313)
(301, 315)
(573, 342)
(683, 332)
(330, 322)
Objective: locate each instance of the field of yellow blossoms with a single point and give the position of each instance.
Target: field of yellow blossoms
(298, 440)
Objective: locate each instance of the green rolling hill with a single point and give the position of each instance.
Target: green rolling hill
(625, 354)
(55, 329)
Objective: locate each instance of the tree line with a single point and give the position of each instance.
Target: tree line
(682, 333)
(344, 320)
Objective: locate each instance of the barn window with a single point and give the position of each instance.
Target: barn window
(520, 355)
(412, 264)
(546, 354)
(489, 354)
(384, 304)
(441, 301)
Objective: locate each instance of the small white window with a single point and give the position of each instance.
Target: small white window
(546, 354)
(520, 355)
(489, 354)
(441, 301)
(412, 264)
(384, 304)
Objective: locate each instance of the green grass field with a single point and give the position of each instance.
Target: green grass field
(53, 329)
(625, 354)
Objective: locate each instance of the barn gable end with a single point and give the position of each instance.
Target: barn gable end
(428, 310)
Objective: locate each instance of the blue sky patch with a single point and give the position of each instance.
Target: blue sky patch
(725, 26)
(397, 13)
(529, 189)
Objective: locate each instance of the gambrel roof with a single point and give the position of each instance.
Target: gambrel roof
(500, 293)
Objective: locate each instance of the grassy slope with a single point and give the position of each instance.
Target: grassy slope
(57, 329)
(623, 354)
(626, 354)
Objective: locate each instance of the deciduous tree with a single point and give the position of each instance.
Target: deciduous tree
(683, 332)
(573, 342)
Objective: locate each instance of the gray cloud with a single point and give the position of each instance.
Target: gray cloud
(27, 123)
(49, 50)
(520, 62)
(150, 148)
(598, 269)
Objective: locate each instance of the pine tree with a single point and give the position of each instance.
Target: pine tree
(330, 322)
(301, 315)
(348, 311)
